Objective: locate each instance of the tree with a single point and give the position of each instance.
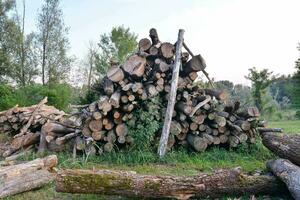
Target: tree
(53, 43)
(115, 46)
(7, 28)
(296, 88)
(17, 57)
(260, 81)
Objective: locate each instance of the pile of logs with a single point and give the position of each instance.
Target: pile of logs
(22, 126)
(27, 176)
(200, 119)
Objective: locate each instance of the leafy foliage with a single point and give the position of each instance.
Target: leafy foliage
(116, 46)
(59, 95)
(53, 43)
(260, 80)
(145, 124)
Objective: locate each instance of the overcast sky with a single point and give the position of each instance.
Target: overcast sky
(232, 35)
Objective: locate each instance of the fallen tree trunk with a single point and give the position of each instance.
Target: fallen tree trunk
(288, 173)
(26, 176)
(204, 185)
(285, 146)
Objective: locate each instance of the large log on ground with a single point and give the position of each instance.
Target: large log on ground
(288, 173)
(205, 185)
(27, 176)
(285, 146)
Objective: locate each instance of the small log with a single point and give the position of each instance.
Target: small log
(121, 130)
(198, 143)
(108, 147)
(285, 146)
(167, 50)
(130, 184)
(144, 44)
(153, 51)
(135, 65)
(175, 128)
(220, 95)
(274, 130)
(245, 125)
(104, 105)
(97, 115)
(115, 74)
(95, 125)
(99, 135)
(26, 176)
(57, 128)
(288, 173)
(154, 36)
(115, 99)
(108, 86)
(199, 105)
(64, 139)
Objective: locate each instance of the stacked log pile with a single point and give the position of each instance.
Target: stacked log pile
(23, 126)
(201, 118)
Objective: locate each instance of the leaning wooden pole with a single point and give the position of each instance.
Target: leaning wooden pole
(171, 102)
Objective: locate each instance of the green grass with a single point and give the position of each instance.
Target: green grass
(180, 162)
(287, 126)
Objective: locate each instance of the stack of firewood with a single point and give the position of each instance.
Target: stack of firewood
(22, 126)
(201, 117)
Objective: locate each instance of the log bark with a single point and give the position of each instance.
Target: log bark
(27, 176)
(288, 173)
(171, 102)
(128, 183)
(154, 36)
(285, 146)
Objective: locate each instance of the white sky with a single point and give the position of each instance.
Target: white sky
(232, 35)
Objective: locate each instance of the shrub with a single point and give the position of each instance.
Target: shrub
(6, 97)
(145, 124)
(59, 95)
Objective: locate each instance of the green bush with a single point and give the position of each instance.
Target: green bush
(59, 95)
(145, 124)
(6, 97)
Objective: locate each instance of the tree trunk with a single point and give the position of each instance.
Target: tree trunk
(285, 146)
(27, 176)
(288, 173)
(205, 185)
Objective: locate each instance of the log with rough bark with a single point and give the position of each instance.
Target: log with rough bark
(283, 145)
(26, 176)
(205, 185)
(288, 173)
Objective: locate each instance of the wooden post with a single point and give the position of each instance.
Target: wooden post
(171, 102)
